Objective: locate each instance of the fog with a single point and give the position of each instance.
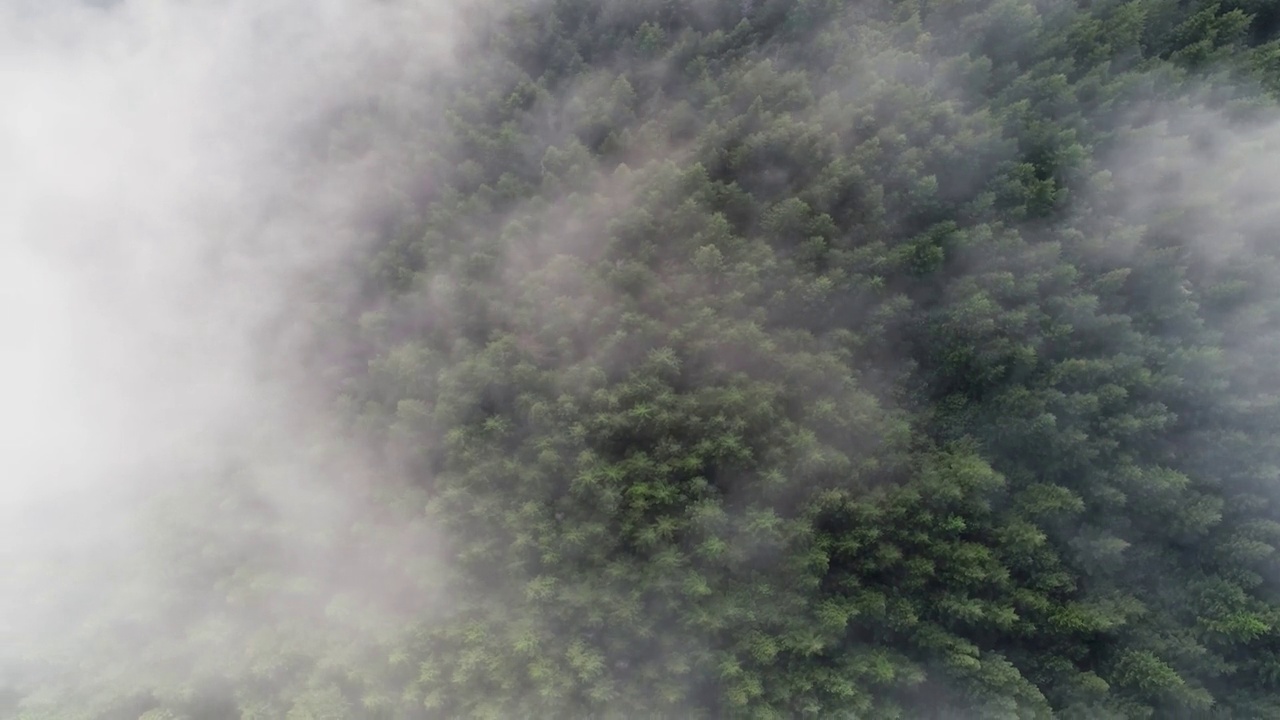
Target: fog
(187, 194)
(172, 182)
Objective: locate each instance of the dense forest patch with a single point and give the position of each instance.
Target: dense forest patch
(783, 359)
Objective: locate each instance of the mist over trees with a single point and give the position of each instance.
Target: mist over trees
(680, 358)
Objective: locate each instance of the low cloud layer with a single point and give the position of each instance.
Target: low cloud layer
(629, 327)
(174, 175)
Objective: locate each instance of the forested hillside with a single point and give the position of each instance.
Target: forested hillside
(775, 359)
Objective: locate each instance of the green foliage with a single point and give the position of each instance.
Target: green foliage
(780, 360)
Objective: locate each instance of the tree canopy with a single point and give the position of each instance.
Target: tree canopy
(785, 359)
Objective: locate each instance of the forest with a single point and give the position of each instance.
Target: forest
(764, 359)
